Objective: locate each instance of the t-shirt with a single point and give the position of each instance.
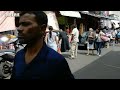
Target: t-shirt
(51, 41)
(48, 64)
(98, 36)
(75, 33)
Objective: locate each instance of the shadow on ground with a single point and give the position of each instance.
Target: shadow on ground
(85, 53)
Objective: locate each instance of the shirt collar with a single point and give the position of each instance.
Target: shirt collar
(42, 55)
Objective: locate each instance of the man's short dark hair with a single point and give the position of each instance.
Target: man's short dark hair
(40, 16)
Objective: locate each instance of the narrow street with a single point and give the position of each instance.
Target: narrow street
(60, 29)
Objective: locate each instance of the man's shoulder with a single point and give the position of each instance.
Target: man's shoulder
(54, 56)
(53, 53)
(20, 52)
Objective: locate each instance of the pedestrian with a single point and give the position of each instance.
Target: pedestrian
(74, 41)
(37, 60)
(64, 41)
(67, 30)
(114, 33)
(99, 41)
(90, 41)
(51, 39)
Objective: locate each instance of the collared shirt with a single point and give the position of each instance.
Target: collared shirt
(48, 64)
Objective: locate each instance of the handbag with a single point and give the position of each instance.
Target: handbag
(104, 38)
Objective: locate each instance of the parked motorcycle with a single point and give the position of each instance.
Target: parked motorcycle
(7, 57)
(6, 63)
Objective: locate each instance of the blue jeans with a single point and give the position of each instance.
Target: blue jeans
(98, 47)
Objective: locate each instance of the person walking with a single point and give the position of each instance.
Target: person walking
(64, 41)
(99, 41)
(51, 39)
(90, 41)
(74, 41)
(114, 34)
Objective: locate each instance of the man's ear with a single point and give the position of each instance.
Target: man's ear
(43, 28)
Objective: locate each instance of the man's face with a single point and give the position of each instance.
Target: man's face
(29, 30)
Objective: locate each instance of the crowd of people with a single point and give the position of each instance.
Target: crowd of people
(100, 38)
(64, 40)
(96, 40)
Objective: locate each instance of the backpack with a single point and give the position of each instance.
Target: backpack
(118, 34)
(84, 37)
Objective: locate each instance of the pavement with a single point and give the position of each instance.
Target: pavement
(82, 59)
(94, 67)
(106, 67)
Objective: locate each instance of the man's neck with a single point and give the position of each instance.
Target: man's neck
(35, 47)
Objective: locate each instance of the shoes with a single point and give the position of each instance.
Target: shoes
(87, 54)
(71, 57)
(98, 54)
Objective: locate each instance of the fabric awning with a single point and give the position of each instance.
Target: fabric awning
(7, 21)
(52, 20)
(71, 14)
(115, 23)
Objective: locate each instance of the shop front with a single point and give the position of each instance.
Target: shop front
(67, 18)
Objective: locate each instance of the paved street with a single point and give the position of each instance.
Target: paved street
(94, 67)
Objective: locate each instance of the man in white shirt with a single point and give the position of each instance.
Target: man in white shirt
(74, 41)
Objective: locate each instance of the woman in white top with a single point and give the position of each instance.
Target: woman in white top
(51, 39)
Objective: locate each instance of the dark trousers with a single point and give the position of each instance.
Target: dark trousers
(98, 47)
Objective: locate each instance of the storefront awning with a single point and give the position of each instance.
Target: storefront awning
(115, 23)
(94, 15)
(52, 20)
(71, 13)
(7, 21)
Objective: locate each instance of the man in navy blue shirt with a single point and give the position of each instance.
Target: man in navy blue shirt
(37, 60)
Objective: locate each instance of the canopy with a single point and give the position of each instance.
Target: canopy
(71, 14)
(52, 20)
(7, 21)
(115, 23)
